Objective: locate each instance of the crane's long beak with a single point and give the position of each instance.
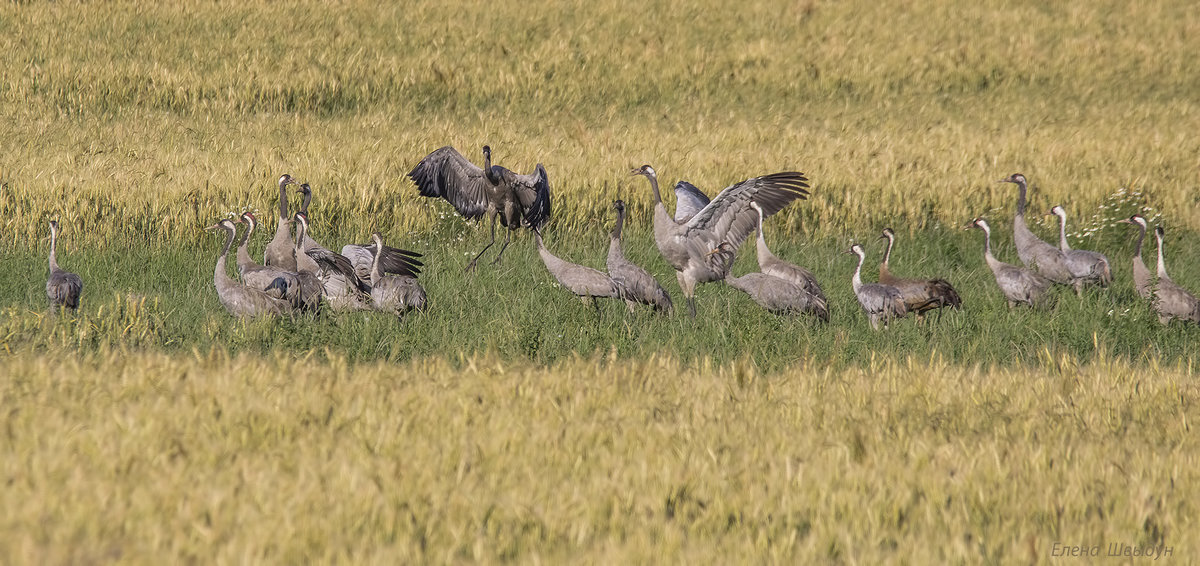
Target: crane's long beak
(213, 227)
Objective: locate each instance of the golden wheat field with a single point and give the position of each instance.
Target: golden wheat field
(508, 424)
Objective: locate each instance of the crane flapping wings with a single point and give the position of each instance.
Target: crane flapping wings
(729, 218)
(445, 173)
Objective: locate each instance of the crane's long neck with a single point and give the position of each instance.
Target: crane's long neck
(887, 252)
(856, 280)
(219, 273)
(654, 187)
(1137, 251)
(376, 275)
(616, 233)
(53, 244)
(304, 203)
(1062, 233)
(1021, 186)
(1162, 267)
(987, 246)
(763, 250)
(283, 209)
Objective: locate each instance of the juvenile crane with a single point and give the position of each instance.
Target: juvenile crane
(275, 281)
(586, 283)
(279, 249)
(1019, 285)
(920, 295)
(1086, 267)
(1036, 254)
(397, 294)
(881, 302)
(62, 287)
(779, 296)
(492, 190)
(703, 248)
(769, 264)
(1142, 280)
(1171, 300)
(238, 299)
(634, 284)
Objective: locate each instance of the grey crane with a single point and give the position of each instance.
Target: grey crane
(1036, 254)
(920, 295)
(282, 284)
(1171, 300)
(1142, 280)
(492, 190)
(62, 287)
(346, 276)
(634, 284)
(771, 265)
(703, 248)
(238, 299)
(1019, 285)
(881, 302)
(1087, 267)
(279, 249)
(397, 294)
(311, 289)
(586, 283)
(779, 296)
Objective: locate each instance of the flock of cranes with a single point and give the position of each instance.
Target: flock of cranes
(700, 242)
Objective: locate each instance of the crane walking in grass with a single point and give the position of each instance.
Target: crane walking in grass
(769, 264)
(499, 193)
(702, 249)
(1036, 254)
(779, 296)
(585, 282)
(62, 287)
(634, 284)
(920, 295)
(1019, 285)
(1142, 280)
(882, 303)
(1171, 300)
(1086, 267)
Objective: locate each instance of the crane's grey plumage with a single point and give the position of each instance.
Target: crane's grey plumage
(311, 289)
(779, 296)
(397, 294)
(1142, 280)
(492, 190)
(1086, 267)
(279, 249)
(1171, 300)
(1019, 285)
(238, 299)
(771, 265)
(920, 295)
(688, 201)
(275, 281)
(395, 261)
(703, 248)
(585, 282)
(1036, 254)
(634, 284)
(881, 302)
(62, 287)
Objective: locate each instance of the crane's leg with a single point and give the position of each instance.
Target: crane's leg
(507, 237)
(689, 291)
(512, 225)
(471, 266)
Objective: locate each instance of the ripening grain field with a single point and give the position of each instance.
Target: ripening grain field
(510, 423)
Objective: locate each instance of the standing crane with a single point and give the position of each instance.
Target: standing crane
(1142, 280)
(779, 296)
(771, 265)
(703, 248)
(283, 284)
(920, 295)
(1087, 267)
(311, 289)
(634, 284)
(881, 302)
(492, 190)
(1036, 254)
(586, 283)
(238, 299)
(1171, 300)
(62, 287)
(279, 250)
(397, 294)
(1019, 285)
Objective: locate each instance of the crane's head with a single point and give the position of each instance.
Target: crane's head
(249, 219)
(1057, 210)
(1136, 220)
(285, 180)
(1159, 232)
(644, 170)
(887, 234)
(378, 239)
(1014, 178)
(619, 205)
(222, 224)
(857, 249)
(301, 225)
(980, 223)
(305, 190)
(756, 208)
(487, 151)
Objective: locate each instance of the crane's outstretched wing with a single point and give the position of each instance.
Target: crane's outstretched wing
(533, 192)
(445, 173)
(395, 260)
(729, 217)
(688, 201)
